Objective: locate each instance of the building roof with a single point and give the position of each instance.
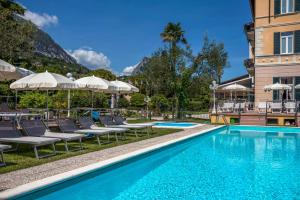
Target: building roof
(235, 79)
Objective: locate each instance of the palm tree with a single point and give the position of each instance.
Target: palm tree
(173, 35)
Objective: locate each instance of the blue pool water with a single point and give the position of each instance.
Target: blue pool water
(175, 124)
(239, 163)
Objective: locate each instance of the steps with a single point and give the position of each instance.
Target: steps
(253, 120)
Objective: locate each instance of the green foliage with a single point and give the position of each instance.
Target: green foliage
(159, 103)
(103, 73)
(16, 35)
(34, 100)
(215, 58)
(137, 100)
(123, 103)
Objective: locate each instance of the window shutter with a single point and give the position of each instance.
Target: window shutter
(277, 7)
(297, 5)
(297, 41)
(276, 43)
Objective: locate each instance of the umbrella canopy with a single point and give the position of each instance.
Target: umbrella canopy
(95, 83)
(124, 88)
(235, 87)
(277, 86)
(297, 86)
(43, 81)
(6, 67)
(10, 72)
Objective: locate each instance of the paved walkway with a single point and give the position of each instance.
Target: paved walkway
(23, 176)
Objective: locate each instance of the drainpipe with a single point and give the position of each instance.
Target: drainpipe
(269, 11)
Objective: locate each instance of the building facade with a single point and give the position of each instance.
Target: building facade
(274, 47)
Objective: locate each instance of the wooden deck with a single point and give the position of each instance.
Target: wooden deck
(253, 118)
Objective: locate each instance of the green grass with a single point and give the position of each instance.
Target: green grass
(201, 121)
(25, 158)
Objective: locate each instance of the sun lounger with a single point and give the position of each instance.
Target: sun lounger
(276, 107)
(107, 121)
(37, 128)
(121, 121)
(69, 126)
(290, 107)
(10, 134)
(3, 147)
(88, 123)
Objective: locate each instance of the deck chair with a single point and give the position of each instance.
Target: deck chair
(276, 107)
(37, 128)
(88, 123)
(3, 147)
(290, 107)
(69, 126)
(108, 121)
(10, 134)
(262, 107)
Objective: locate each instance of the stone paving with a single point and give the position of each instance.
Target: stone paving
(23, 176)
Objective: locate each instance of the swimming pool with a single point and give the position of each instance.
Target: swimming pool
(178, 125)
(243, 162)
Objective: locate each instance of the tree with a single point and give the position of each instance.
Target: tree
(137, 100)
(159, 103)
(103, 73)
(16, 33)
(215, 58)
(173, 35)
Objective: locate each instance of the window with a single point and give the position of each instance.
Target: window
(287, 6)
(287, 42)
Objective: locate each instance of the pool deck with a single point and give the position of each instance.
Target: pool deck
(20, 177)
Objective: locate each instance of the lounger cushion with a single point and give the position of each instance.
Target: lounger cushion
(30, 140)
(4, 147)
(128, 126)
(96, 132)
(118, 130)
(63, 136)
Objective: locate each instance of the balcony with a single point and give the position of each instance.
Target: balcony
(249, 64)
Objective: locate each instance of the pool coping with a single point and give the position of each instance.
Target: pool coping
(58, 178)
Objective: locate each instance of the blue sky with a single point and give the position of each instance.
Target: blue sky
(119, 33)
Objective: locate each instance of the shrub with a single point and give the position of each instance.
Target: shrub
(137, 100)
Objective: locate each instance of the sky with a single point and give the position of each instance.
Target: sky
(117, 34)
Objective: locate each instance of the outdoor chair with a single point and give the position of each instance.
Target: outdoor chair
(108, 121)
(10, 134)
(290, 107)
(3, 147)
(239, 107)
(262, 107)
(276, 107)
(37, 128)
(227, 107)
(69, 126)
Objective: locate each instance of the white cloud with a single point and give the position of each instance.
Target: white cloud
(127, 71)
(41, 20)
(91, 59)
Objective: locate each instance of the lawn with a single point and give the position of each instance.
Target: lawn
(194, 120)
(24, 158)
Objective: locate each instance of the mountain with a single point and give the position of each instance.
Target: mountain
(46, 46)
(140, 67)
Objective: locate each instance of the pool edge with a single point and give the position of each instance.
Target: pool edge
(39, 184)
